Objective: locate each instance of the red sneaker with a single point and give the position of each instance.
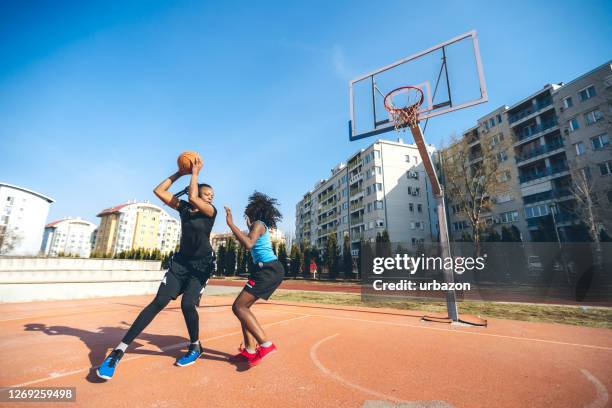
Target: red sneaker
(244, 355)
(262, 352)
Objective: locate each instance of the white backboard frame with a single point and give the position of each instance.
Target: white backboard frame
(425, 113)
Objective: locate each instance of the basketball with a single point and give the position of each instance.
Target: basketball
(185, 161)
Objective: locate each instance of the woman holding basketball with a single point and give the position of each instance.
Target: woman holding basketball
(261, 214)
(189, 268)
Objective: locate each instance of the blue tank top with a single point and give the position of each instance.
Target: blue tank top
(262, 250)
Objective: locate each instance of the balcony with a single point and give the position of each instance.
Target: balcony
(354, 179)
(327, 219)
(326, 207)
(547, 171)
(325, 196)
(515, 117)
(475, 157)
(356, 220)
(547, 195)
(560, 218)
(356, 236)
(354, 193)
(356, 206)
(472, 137)
(355, 163)
(529, 132)
(541, 150)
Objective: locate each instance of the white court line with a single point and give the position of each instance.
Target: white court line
(459, 331)
(72, 313)
(165, 349)
(601, 399)
(326, 371)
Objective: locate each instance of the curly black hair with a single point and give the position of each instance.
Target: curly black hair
(263, 208)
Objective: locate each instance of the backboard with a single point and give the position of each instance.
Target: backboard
(450, 75)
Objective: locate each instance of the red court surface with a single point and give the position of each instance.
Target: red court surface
(328, 357)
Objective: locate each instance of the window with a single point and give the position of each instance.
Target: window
(609, 194)
(600, 141)
(573, 124)
(567, 102)
(579, 148)
(377, 154)
(407, 159)
(510, 216)
(593, 116)
(491, 122)
(344, 192)
(378, 204)
(345, 206)
(502, 156)
(412, 174)
(410, 207)
(495, 140)
(605, 168)
(380, 223)
(536, 211)
(416, 160)
(420, 208)
(377, 170)
(499, 119)
(415, 191)
(417, 225)
(587, 93)
(369, 207)
(378, 186)
(368, 190)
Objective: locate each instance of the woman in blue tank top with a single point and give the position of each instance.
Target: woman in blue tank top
(261, 214)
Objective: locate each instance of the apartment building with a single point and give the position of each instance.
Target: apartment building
(136, 225)
(23, 214)
(560, 129)
(585, 119)
(70, 236)
(381, 187)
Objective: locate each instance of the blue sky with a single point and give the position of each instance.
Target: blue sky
(97, 99)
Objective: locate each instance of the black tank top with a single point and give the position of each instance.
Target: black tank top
(195, 231)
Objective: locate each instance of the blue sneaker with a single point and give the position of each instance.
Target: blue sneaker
(195, 351)
(107, 368)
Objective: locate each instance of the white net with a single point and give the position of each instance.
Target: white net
(403, 106)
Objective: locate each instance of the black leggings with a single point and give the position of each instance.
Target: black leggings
(188, 306)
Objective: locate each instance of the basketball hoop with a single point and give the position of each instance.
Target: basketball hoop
(408, 115)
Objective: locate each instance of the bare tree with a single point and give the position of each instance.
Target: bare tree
(473, 167)
(587, 206)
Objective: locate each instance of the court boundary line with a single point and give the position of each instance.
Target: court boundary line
(463, 332)
(163, 350)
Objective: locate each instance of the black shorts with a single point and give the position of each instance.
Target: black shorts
(186, 276)
(265, 279)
